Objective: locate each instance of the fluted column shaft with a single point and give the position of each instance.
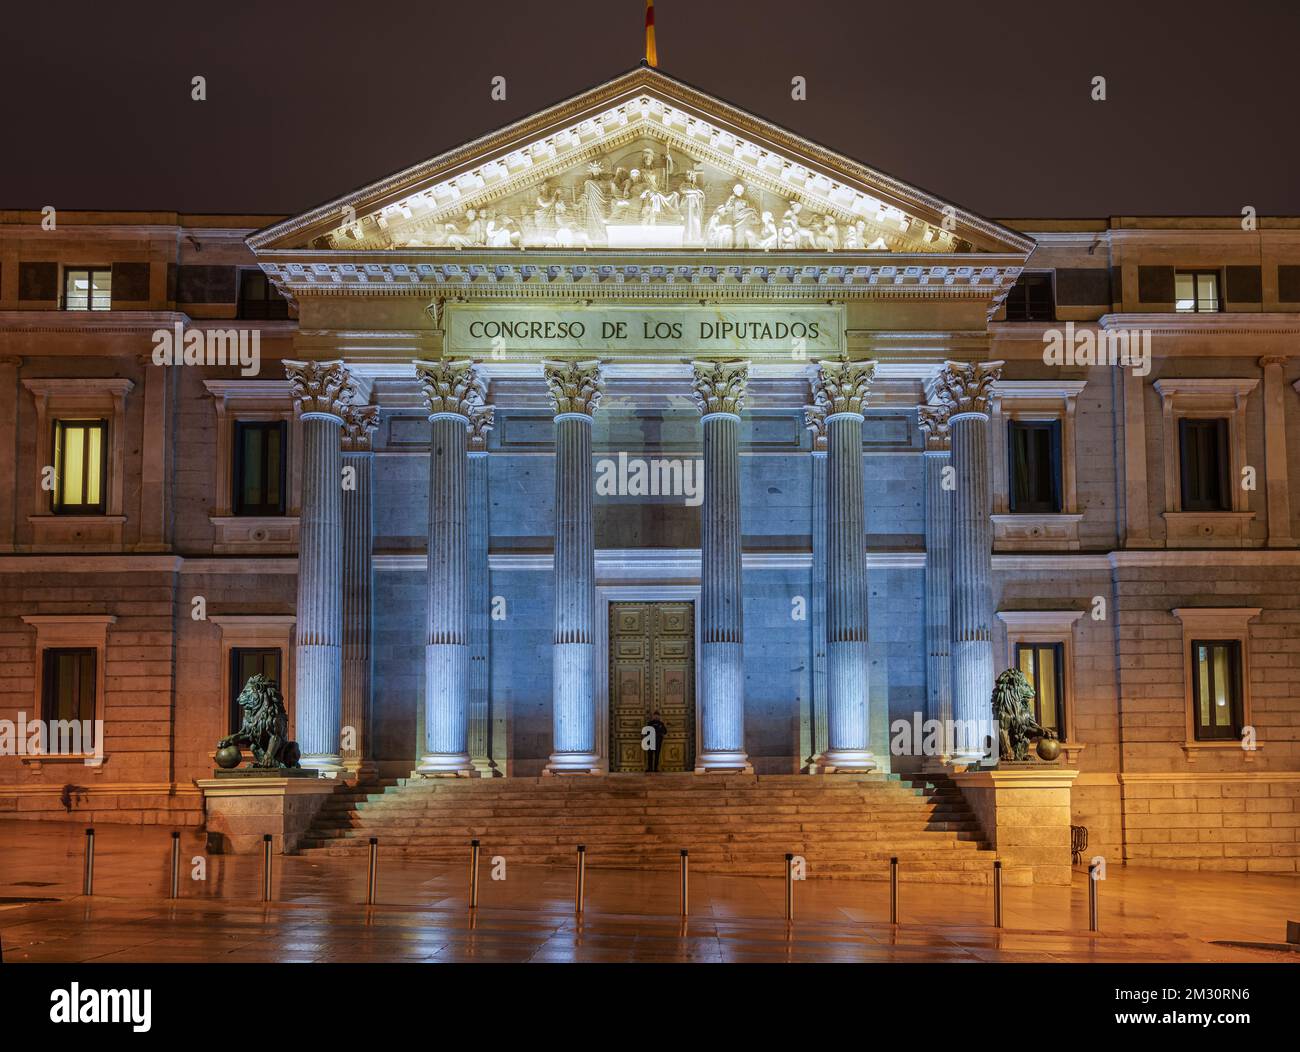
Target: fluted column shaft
(318, 659)
(358, 589)
(722, 631)
(972, 575)
(446, 651)
(574, 733)
(847, 657)
(938, 590)
(479, 625)
(820, 728)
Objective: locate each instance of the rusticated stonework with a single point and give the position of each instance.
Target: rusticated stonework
(574, 387)
(841, 386)
(933, 420)
(319, 387)
(966, 386)
(450, 386)
(359, 424)
(719, 387)
(482, 418)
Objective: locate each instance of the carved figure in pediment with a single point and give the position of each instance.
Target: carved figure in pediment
(855, 237)
(499, 231)
(691, 197)
(550, 207)
(471, 234)
(734, 223)
(654, 202)
(768, 236)
(827, 236)
(794, 232)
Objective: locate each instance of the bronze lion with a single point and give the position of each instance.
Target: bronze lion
(265, 725)
(1017, 727)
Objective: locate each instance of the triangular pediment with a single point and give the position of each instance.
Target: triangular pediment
(642, 162)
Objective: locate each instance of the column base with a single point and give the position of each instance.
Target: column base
(723, 762)
(356, 769)
(330, 765)
(446, 765)
(845, 761)
(486, 768)
(562, 763)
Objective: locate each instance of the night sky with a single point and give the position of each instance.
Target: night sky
(984, 104)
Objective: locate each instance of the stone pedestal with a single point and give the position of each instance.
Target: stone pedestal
(243, 810)
(719, 389)
(575, 389)
(1024, 810)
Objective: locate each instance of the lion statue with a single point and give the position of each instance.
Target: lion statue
(265, 725)
(1017, 727)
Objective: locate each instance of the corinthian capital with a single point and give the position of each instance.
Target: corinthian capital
(359, 423)
(814, 419)
(842, 385)
(319, 387)
(481, 420)
(719, 387)
(575, 387)
(965, 386)
(450, 386)
(934, 422)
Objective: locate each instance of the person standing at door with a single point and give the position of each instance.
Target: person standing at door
(652, 736)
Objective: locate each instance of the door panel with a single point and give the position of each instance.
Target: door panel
(651, 666)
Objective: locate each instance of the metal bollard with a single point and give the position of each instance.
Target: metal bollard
(266, 867)
(88, 875)
(372, 879)
(176, 865)
(893, 890)
(789, 886)
(1092, 896)
(580, 888)
(686, 889)
(473, 874)
(997, 894)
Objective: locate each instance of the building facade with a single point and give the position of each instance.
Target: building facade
(640, 405)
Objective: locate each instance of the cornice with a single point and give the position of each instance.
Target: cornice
(90, 321)
(1225, 324)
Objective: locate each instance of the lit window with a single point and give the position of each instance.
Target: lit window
(244, 663)
(80, 467)
(87, 288)
(69, 684)
(1216, 688)
(1203, 453)
(1042, 664)
(1034, 447)
(1196, 291)
(259, 467)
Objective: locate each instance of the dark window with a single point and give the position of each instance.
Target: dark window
(1042, 664)
(1203, 450)
(69, 684)
(1032, 299)
(1196, 291)
(1034, 447)
(245, 662)
(259, 467)
(259, 300)
(1216, 688)
(87, 288)
(80, 467)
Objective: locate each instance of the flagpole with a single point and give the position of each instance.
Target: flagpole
(651, 54)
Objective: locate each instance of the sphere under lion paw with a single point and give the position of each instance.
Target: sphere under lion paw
(1048, 749)
(228, 757)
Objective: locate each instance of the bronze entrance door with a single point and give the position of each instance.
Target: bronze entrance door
(651, 667)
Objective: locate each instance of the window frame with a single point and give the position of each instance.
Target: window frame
(1058, 649)
(1055, 627)
(238, 508)
(1223, 445)
(1056, 501)
(49, 656)
(273, 307)
(1217, 624)
(234, 684)
(1196, 274)
(1201, 732)
(91, 269)
(59, 425)
(1048, 280)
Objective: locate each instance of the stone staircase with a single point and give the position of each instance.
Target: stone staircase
(846, 826)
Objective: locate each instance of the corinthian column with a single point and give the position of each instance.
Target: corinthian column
(938, 567)
(965, 387)
(359, 423)
(813, 742)
(840, 388)
(575, 389)
(481, 420)
(452, 391)
(320, 390)
(719, 389)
